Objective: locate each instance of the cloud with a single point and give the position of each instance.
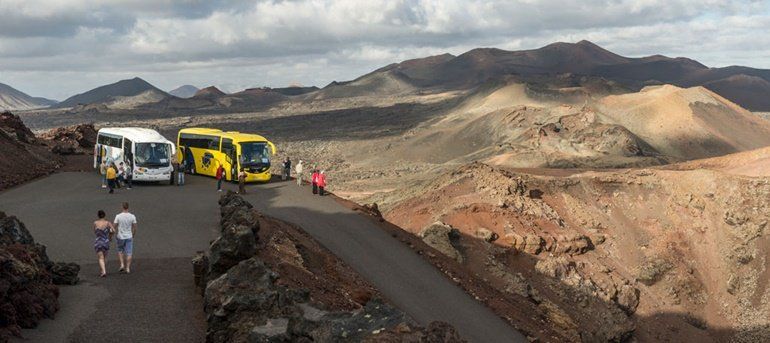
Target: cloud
(85, 43)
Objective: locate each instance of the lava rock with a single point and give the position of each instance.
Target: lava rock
(439, 236)
(63, 273)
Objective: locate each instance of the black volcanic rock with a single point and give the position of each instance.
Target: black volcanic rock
(28, 279)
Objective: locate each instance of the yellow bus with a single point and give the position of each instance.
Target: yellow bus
(203, 150)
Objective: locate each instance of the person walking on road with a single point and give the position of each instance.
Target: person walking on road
(286, 174)
(298, 172)
(314, 181)
(103, 230)
(242, 181)
(220, 175)
(321, 183)
(126, 223)
(112, 175)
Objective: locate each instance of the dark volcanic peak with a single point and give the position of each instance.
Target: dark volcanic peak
(106, 93)
(186, 91)
(209, 92)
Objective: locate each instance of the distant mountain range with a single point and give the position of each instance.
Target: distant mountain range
(749, 87)
(554, 63)
(186, 91)
(12, 99)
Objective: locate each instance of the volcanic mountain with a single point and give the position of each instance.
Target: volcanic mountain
(186, 91)
(121, 94)
(209, 92)
(13, 99)
(747, 87)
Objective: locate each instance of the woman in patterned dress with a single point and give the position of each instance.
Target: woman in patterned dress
(103, 229)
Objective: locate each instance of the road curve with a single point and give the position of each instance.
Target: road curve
(174, 222)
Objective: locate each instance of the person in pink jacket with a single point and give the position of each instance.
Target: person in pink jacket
(321, 180)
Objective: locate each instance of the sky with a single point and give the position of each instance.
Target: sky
(58, 48)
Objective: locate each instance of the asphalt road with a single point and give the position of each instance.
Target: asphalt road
(156, 302)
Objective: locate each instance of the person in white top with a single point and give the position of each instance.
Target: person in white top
(298, 170)
(126, 223)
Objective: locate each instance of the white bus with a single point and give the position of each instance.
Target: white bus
(144, 150)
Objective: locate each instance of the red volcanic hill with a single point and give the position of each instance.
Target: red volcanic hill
(209, 92)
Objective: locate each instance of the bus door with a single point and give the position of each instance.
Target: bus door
(128, 153)
(228, 149)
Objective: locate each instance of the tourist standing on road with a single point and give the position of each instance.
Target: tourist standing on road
(298, 172)
(126, 223)
(121, 175)
(242, 181)
(314, 180)
(174, 170)
(103, 230)
(103, 172)
(321, 183)
(111, 175)
(220, 175)
(182, 170)
(286, 169)
(128, 174)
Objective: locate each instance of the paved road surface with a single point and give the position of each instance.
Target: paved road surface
(157, 302)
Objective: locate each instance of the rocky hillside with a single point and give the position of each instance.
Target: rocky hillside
(12, 99)
(28, 279)
(267, 281)
(654, 254)
(24, 157)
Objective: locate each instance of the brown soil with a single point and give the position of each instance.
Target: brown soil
(659, 254)
(302, 263)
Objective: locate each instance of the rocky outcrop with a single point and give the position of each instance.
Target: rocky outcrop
(440, 236)
(486, 235)
(247, 300)
(23, 156)
(28, 291)
(70, 140)
(12, 126)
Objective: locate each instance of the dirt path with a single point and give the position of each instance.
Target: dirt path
(157, 303)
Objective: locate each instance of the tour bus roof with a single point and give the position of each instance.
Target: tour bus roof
(239, 136)
(136, 134)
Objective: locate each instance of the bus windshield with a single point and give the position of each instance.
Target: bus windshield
(254, 154)
(152, 154)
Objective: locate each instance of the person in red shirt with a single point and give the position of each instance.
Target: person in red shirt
(220, 175)
(314, 181)
(321, 180)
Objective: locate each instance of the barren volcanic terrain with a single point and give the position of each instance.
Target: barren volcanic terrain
(582, 195)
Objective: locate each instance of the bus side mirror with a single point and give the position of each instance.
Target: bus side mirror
(272, 147)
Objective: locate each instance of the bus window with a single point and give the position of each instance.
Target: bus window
(199, 141)
(113, 141)
(152, 154)
(254, 154)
